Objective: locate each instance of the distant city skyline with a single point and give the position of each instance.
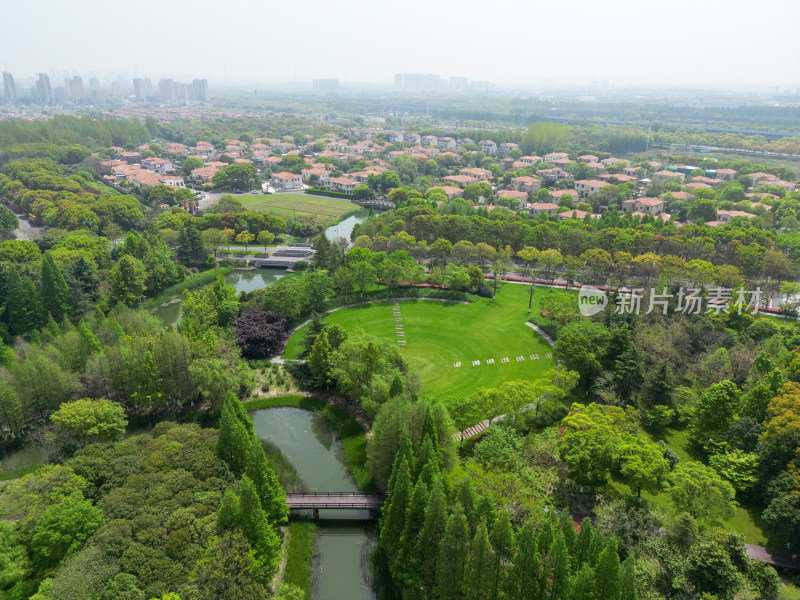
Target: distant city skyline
(513, 42)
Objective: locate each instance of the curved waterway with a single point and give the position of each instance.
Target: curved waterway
(310, 442)
(242, 281)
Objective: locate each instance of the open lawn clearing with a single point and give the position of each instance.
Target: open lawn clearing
(287, 205)
(439, 335)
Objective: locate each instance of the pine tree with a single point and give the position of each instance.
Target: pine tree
(607, 572)
(431, 534)
(502, 538)
(426, 455)
(319, 361)
(429, 428)
(256, 528)
(84, 284)
(270, 492)
(627, 580)
(584, 586)
(557, 565)
(228, 514)
(465, 495)
(568, 530)
(406, 568)
(596, 547)
(232, 440)
(583, 544)
(481, 566)
(453, 553)
(526, 577)
(236, 406)
(55, 292)
(544, 538)
(394, 510)
(485, 509)
(396, 389)
(23, 310)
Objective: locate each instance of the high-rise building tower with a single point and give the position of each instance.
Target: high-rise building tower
(165, 90)
(200, 89)
(43, 89)
(10, 85)
(142, 88)
(75, 87)
(326, 86)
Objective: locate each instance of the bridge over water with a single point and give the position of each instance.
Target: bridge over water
(315, 501)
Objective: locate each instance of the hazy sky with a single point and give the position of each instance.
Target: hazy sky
(695, 42)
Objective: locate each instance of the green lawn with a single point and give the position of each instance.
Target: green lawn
(288, 205)
(439, 334)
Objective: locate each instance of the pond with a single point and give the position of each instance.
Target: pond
(310, 442)
(345, 228)
(242, 281)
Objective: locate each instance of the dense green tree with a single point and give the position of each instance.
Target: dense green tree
(265, 480)
(23, 310)
(714, 413)
(88, 420)
(431, 534)
(406, 564)
(700, 491)
(395, 509)
(526, 576)
(127, 280)
(453, 555)
(557, 568)
(233, 441)
(502, 539)
(479, 584)
(55, 292)
(607, 572)
(256, 528)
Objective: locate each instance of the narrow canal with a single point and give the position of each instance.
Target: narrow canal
(312, 445)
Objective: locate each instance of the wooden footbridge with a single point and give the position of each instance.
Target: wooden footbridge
(315, 501)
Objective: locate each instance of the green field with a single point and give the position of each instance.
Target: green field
(440, 334)
(289, 205)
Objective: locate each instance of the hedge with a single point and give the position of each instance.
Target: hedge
(332, 194)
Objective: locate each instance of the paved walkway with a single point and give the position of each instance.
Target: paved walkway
(541, 333)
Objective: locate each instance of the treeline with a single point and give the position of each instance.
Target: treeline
(96, 133)
(614, 243)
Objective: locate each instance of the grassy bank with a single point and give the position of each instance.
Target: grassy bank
(354, 442)
(300, 555)
(21, 462)
(289, 477)
(192, 282)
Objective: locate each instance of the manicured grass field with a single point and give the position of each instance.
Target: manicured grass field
(439, 334)
(288, 205)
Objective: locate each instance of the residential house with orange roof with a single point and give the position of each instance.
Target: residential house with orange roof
(344, 185)
(526, 184)
(488, 147)
(548, 208)
(287, 181)
(587, 187)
